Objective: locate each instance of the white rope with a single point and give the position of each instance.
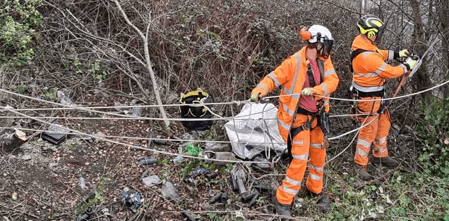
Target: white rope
(392, 98)
(350, 143)
(86, 108)
(133, 146)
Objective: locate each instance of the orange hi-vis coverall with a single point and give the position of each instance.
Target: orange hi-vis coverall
(308, 144)
(370, 72)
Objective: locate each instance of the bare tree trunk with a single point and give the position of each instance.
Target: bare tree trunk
(148, 61)
(421, 78)
(442, 10)
(362, 7)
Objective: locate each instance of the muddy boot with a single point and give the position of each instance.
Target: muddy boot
(324, 203)
(361, 171)
(281, 209)
(386, 161)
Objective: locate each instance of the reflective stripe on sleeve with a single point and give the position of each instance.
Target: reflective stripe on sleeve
(329, 72)
(390, 55)
(324, 86)
(264, 87)
(405, 68)
(273, 77)
(381, 68)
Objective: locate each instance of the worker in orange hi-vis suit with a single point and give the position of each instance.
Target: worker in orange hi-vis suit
(308, 72)
(370, 71)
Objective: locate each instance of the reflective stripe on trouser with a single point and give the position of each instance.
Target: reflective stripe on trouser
(317, 158)
(378, 128)
(295, 172)
(380, 142)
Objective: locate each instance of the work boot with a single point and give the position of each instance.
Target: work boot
(386, 161)
(361, 171)
(282, 209)
(323, 202)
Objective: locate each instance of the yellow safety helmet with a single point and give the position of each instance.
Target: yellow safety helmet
(371, 26)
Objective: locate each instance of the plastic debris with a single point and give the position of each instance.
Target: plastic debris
(224, 198)
(133, 200)
(169, 191)
(211, 175)
(198, 172)
(105, 211)
(215, 198)
(137, 110)
(55, 134)
(147, 161)
(234, 184)
(64, 99)
(178, 159)
(221, 197)
(151, 180)
(217, 147)
(26, 157)
(84, 217)
(191, 149)
(187, 216)
(241, 186)
(83, 183)
(247, 197)
(263, 166)
(158, 141)
(150, 137)
(89, 139)
(254, 199)
(189, 180)
(225, 156)
(298, 203)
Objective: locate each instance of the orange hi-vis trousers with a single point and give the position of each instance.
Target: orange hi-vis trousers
(375, 133)
(308, 145)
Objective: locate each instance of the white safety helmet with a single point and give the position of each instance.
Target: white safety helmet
(318, 34)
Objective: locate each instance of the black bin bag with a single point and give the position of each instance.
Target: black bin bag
(196, 110)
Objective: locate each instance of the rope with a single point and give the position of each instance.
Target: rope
(393, 98)
(133, 146)
(350, 143)
(177, 105)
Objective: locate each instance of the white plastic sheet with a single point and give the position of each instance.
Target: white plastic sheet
(254, 130)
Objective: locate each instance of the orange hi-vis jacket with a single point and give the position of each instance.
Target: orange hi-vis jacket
(291, 75)
(370, 69)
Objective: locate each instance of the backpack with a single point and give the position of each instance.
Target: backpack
(196, 110)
